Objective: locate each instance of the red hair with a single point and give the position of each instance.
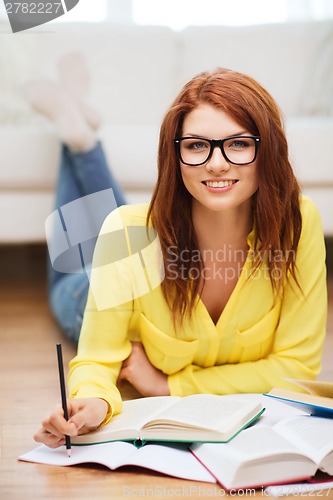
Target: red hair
(276, 209)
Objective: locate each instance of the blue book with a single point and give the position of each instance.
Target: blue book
(315, 403)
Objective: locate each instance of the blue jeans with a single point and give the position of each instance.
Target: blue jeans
(80, 175)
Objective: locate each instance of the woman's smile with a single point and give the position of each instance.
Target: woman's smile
(219, 186)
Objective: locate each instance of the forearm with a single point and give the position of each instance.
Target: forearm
(93, 372)
(250, 377)
(296, 353)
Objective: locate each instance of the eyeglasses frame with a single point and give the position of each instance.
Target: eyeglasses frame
(217, 143)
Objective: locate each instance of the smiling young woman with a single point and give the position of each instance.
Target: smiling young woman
(263, 192)
(241, 303)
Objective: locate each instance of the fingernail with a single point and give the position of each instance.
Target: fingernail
(73, 430)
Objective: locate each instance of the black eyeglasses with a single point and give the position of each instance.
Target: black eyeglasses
(238, 150)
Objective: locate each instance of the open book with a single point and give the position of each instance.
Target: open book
(318, 400)
(292, 450)
(173, 459)
(200, 417)
(289, 451)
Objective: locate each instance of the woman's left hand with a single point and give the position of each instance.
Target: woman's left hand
(142, 375)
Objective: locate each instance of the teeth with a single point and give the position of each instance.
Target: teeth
(219, 184)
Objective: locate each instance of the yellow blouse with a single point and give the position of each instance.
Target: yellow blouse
(256, 343)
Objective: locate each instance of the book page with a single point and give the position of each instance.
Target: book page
(256, 456)
(315, 387)
(175, 461)
(137, 412)
(172, 459)
(128, 423)
(110, 454)
(314, 435)
(275, 410)
(255, 443)
(207, 411)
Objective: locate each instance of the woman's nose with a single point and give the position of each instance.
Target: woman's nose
(217, 162)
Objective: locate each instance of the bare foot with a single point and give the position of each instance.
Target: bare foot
(74, 74)
(53, 101)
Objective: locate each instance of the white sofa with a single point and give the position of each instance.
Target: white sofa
(136, 72)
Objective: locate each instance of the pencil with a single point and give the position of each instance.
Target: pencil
(63, 394)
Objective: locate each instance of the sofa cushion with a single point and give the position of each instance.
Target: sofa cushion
(30, 155)
(279, 56)
(131, 151)
(311, 149)
(317, 91)
(24, 214)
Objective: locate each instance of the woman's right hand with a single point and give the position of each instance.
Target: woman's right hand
(84, 414)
